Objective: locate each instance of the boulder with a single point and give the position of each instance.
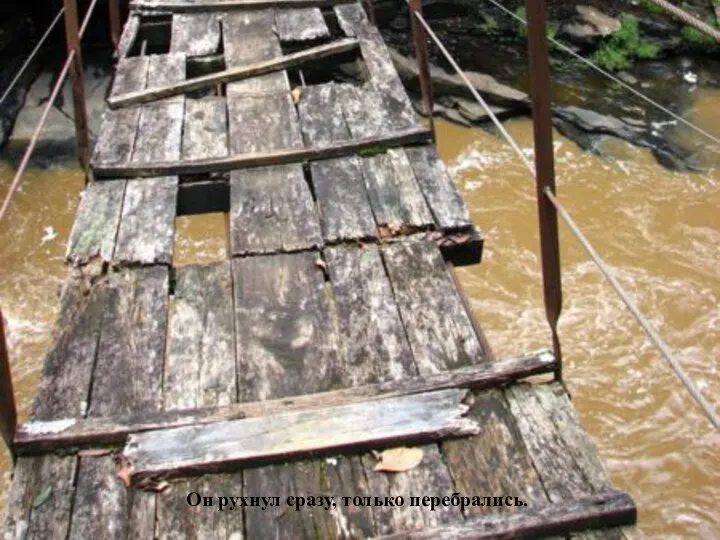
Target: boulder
(591, 25)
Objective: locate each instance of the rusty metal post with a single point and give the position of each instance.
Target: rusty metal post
(8, 410)
(114, 9)
(421, 53)
(78, 84)
(545, 167)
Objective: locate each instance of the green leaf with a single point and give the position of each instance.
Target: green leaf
(43, 496)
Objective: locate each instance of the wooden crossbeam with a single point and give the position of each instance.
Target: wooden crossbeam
(190, 6)
(600, 511)
(260, 159)
(40, 437)
(234, 74)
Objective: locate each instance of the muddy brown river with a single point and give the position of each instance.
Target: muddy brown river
(659, 231)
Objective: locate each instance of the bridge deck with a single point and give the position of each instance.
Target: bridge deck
(338, 276)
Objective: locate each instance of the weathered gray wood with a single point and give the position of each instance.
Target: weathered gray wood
(346, 474)
(190, 6)
(233, 74)
(195, 34)
(263, 123)
(205, 128)
(607, 509)
(35, 477)
(250, 37)
(200, 364)
(116, 139)
(272, 211)
(41, 436)
(430, 416)
(147, 226)
(262, 159)
(439, 329)
(339, 188)
(285, 341)
(96, 223)
(376, 347)
(441, 194)
(301, 24)
(129, 34)
(352, 19)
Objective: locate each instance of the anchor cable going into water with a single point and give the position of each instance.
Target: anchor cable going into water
(612, 77)
(50, 104)
(32, 55)
(585, 242)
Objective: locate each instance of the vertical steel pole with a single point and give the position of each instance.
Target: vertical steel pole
(78, 84)
(422, 58)
(545, 167)
(114, 8)
(8, 410)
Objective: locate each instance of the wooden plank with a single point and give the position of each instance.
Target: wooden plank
(96, 223)
(352, 19)
(129, 34)
(376, 348)
(116, 140)
(271, 115)
(285, 339)
(438, 327)
(41, 436)
(200, 365)
(343, 203)
(190, 6)
(230, 75)
(387, 422)
(250, 37)
(441, 194)
(606, 509)
(261, 159)
(301, 24)
(272, 211)
(147, 226)
(196, 34)
(205, 129)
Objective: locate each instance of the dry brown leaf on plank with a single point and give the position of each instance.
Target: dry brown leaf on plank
(296, 94)
(398, 459)
(124, 470)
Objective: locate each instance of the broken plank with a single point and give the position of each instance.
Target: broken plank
(147, 225)
(200, 364)
(262, 158)
(196, 34)
(376, 347)
(272, 211)
(301, 24)
(129, 34)
(190, 6)
(435, 415)
(41, 436)
(352, 19)
(439, 328)
(205, 129)
(606, 509)
(233, 74)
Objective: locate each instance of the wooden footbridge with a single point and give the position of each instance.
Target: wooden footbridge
(255, 398)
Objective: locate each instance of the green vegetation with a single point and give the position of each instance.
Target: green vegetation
(654, 9)
(371, 151)
(697, 39)
(619, 49)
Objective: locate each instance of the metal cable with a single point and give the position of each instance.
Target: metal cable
(50, 103)
(602, 265)
(688, 18)
(32, 55)
(609, 75)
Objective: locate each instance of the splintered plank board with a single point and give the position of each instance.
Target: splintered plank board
(205, 128)
(160, 125)
(147, 225)
(196, 34)
(116, 139)
(95, 228)
(301, 24)
(129, 34)
(370, 325)
(250, 37)
(271, 208)
(343, 202)
(375, 423)
(200, 365)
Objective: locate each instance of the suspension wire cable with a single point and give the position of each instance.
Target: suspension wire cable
(585, 242)
(688, 18)
(615, 79)
(49, 105)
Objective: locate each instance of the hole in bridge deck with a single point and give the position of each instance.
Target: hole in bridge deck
(153, 36)
(347, 67)
(201, 239)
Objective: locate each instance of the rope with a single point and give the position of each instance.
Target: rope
(50, 103)
(602, 265)
(609, 75)
(687, 18)
(32, 55)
